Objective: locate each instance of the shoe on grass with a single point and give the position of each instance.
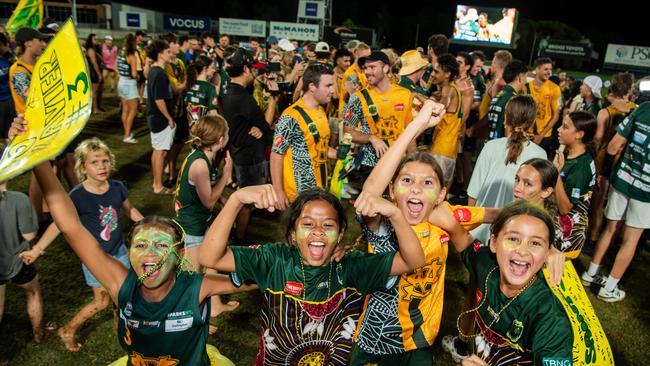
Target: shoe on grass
(450, 345)
(611, 296)
(588, 280)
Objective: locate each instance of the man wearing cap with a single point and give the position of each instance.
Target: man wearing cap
(109, 56)
(32, 43)
(413, 66)
(272, 43)
(141, 45)
(377, 115)
(323, 54)
(590, 93)
(301, 140)
(354, 78)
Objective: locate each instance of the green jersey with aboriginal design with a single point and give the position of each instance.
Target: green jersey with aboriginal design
(631, 176)
(497, 112)
(190, 212)
(532, 330)
(171, 332)
(200, 99)
(579, 178)
(407, 83)
(309, 314)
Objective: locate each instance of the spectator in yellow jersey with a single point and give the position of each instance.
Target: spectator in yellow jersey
(353, 78)
(549, 101)
(377, 115)
(444, 145)
(301, 139)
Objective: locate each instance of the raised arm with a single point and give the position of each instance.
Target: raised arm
(201, 177)
(214, 252)
(430, 115)
(444, 219)
(108, 271)
(410, 255)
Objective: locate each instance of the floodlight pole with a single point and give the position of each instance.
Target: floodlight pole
(74, 12)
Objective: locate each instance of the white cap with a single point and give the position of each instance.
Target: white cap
(286, 45)
(595, 84)
(322, 47)
(108, 37)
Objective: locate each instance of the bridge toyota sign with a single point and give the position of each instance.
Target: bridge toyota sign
(174, 22)
(626, 57)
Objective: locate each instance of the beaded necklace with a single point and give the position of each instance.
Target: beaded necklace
(314, 326)
(498, 316)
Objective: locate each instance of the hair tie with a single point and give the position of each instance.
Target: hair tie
(519, 129)
(193, 139)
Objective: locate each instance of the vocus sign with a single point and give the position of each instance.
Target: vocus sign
(186, 23)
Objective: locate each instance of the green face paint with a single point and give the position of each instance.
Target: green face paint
(153, 256)
(431, 193)
(400, 189)
(302, 234)
(332, 236)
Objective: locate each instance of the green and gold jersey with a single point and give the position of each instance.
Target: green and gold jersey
(190, 212)
(497, 112)
(309, 314)
(579, 178)
(176, 73)
(548, 98)
(616, 116)
(533, 329)
(200, 99)
(406, 315)
(445, 136)
(171, 332)
(631, 176)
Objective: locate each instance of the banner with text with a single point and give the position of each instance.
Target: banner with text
(626, 57)
(294, 31)
(565, 49)
(341, 35)
(242, 27)
(174, 22)
(58, 105)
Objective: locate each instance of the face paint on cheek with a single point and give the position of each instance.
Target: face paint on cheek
(302, 234)
(431, 193)
(400, 189)
(509, 244)
(332, 236)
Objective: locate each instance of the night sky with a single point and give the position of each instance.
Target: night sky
(396, 20)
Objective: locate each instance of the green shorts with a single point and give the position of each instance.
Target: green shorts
(417, 357)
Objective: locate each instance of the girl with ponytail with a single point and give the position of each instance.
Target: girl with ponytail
(577, 179)
(492, 180)
(198, 190)
(202, 95)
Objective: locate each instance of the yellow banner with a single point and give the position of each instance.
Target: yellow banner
(590, 345)
(58, 105)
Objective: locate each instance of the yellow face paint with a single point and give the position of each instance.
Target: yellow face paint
(332, 236)
(431, 193)
(302, 234)
(153, 242)
(509, 244)
(400, 189)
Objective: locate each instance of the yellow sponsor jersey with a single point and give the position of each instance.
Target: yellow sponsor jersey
(420, 293)
(317, 149)
(23, 85)
(616, 116)
(445, 137)
(548, 97)
(391, 112)
(357, 77)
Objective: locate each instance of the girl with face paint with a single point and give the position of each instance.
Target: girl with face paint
(312, 302)
(163, 310)
(517, 318)
(401, 322)
(101, 204)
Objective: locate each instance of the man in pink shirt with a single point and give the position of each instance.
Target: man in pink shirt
(109, 56)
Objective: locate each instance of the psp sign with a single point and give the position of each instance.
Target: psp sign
(627, 57)
(173, 22)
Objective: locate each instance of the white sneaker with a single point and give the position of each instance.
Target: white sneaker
(130, 140)
(588, 280)
(611, 296)
(449, 345)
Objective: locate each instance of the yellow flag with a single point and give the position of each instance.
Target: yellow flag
(58, 105)
(590, 345)
(28, 13)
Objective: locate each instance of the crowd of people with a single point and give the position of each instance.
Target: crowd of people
(539, 166)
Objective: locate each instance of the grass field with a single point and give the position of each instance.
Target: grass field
(627, 323)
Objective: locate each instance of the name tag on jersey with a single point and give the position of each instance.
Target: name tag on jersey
(178, 325)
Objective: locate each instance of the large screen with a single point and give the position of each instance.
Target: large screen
(484, 25)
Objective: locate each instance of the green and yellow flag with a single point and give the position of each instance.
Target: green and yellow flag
(58, 105)
(28, 13)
